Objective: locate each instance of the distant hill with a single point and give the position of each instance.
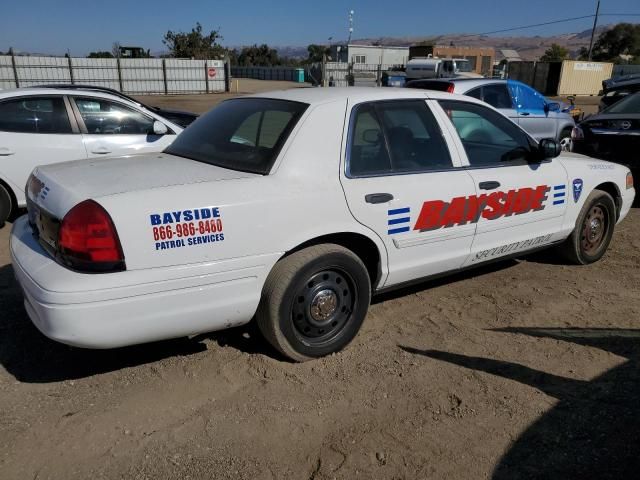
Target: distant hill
(529, 48)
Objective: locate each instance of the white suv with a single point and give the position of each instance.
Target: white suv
(39, 126)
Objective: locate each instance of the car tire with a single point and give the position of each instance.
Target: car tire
(6, 205)
(314, 302)
(565, 139)
(594, 228)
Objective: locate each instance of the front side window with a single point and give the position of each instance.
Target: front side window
(488, 138)
(396, 137)
(34, 115)
(243, 134)
(107, 117)
(527, 99)
(628, 105)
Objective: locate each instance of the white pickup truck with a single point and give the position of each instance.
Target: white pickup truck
(293, 208)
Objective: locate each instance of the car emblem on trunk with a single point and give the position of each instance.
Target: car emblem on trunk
(577, 189)
(626, 125)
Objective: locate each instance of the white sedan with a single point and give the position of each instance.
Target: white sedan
(40, 126)
(293, 208)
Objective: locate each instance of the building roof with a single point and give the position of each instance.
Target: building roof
(511, 55)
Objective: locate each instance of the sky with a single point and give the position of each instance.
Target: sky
(58, 26)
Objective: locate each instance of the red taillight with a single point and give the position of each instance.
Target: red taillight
(451, 88)
(88, 241)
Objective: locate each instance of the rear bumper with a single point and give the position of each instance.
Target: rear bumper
(108, 310)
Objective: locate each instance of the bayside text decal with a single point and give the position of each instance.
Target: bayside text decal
(183, 228)
(437, 214)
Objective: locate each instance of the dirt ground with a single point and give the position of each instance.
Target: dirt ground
(524, 369)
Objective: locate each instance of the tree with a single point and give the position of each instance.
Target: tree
(259, 56)
(316, 53)
(100, 54)
(555, 53)
(623, 39)
(195, 44)
(115, 49)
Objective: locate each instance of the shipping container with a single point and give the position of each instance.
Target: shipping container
(583, 78)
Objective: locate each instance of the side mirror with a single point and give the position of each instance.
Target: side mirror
(553, 107)
(159, 128)
(549, 148)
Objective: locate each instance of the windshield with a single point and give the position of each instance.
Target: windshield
(630, 104)
(243, 134)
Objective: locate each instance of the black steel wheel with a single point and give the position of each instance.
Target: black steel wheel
(314, 301)
(323, 306)
(594, 230)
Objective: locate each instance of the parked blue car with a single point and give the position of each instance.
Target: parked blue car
(539, 116)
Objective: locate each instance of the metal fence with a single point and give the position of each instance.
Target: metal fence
(340, 74)
(130, 75)
(543, 76)
(290, 74)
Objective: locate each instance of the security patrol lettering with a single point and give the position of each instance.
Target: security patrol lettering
(437, 214)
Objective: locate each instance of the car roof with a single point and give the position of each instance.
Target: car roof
(319, 95)
(34, 91)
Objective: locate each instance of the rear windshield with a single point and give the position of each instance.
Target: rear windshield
(430, 85)
(629, 104)
(243, 134)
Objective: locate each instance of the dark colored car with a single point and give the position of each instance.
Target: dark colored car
(613, 134)
(615, 89)
(179, 117)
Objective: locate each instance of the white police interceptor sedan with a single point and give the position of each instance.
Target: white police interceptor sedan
(294, 208)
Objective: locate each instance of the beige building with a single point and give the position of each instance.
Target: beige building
(481, 59)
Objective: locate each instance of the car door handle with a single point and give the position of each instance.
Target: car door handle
(378, 198)
(525, 114)
(101, 150)
(5, 152)
(492, 185)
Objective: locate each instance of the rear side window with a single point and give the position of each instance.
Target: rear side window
(396, 137)
(430, 85)
(34, 115)
(497, 96)
(241, 134)
(107, 117)
(475, 93)
(488, 138)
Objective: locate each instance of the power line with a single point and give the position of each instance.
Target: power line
(552, 22)
(530, 26)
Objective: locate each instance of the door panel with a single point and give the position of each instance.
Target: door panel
(518, 203)
(112, 129)
(398, 155)
(35, 131)
(525, 211)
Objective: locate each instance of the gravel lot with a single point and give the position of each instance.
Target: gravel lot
(524, 369)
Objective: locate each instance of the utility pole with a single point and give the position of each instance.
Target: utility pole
(593, 32)
(351, 12)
